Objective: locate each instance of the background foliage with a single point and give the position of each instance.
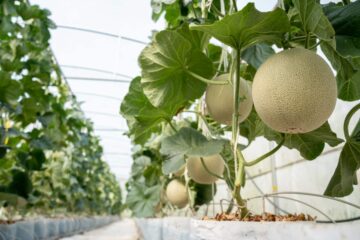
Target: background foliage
(49, 153)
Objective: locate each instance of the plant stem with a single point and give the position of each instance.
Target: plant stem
(235, 6)
(203, 9)
(347, 121)
(230, 207)
(302, 37)
(256, 161)
(315, 45)
(194, 11)
(238, 157)
(307, 41)
(217, 11)
(208, 170)
(203, 118)
(172, 126)
(238, 183)
(206, 80)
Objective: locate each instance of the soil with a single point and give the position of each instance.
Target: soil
(7, 221)
(265, 217)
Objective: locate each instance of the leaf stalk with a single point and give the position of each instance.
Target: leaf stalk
(208, 81)
(268, 154)
(347, 121)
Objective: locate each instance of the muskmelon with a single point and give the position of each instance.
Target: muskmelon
(219, 100)
(176, 193)
(294, 91)
(198, 173)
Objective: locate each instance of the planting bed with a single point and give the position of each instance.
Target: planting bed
(195, 229)
(49, 228)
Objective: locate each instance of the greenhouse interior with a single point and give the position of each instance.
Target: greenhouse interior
(179, 119)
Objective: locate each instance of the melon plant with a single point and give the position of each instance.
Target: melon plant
(294, 91)
(219, 100)
(177, 194)
(184, 73)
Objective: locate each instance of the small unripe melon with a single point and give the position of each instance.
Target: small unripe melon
(294, 91)
(176, 193)
(219, 100)
(198, 173)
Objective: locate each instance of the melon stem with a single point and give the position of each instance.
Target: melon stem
(266, 155)
(205, 80)
(238, 156)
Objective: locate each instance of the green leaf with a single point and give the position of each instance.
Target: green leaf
(214, 53)
(165, 64)
(345, 21)
(342, 181)
(30, 110)
(142, 117)
(257, 54)
(173, 14)
(189, 142)
(248, 27)
(313, 19)
(139, 166)
(252, 127)
(10, 90)
(173, 164)
(21, 184)
(311, 144)
(348, 73)
(198, 40)
(142, 200)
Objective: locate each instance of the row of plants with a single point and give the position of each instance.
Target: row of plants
(50, 160)
(217, 64)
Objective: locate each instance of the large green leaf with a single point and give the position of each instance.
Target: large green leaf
(198, 40)
(165, 64)
(139, 166)
(187, 142)
(142, 117)
(190, 142)
(342, 181)
(173, 164)
(313, 19)
(142, 200)
(348, 73)
(311, 144)
(248, 27)
(345, 20)
(257, 54)
(252, 127)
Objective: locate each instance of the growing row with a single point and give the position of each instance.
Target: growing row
(50, 160)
